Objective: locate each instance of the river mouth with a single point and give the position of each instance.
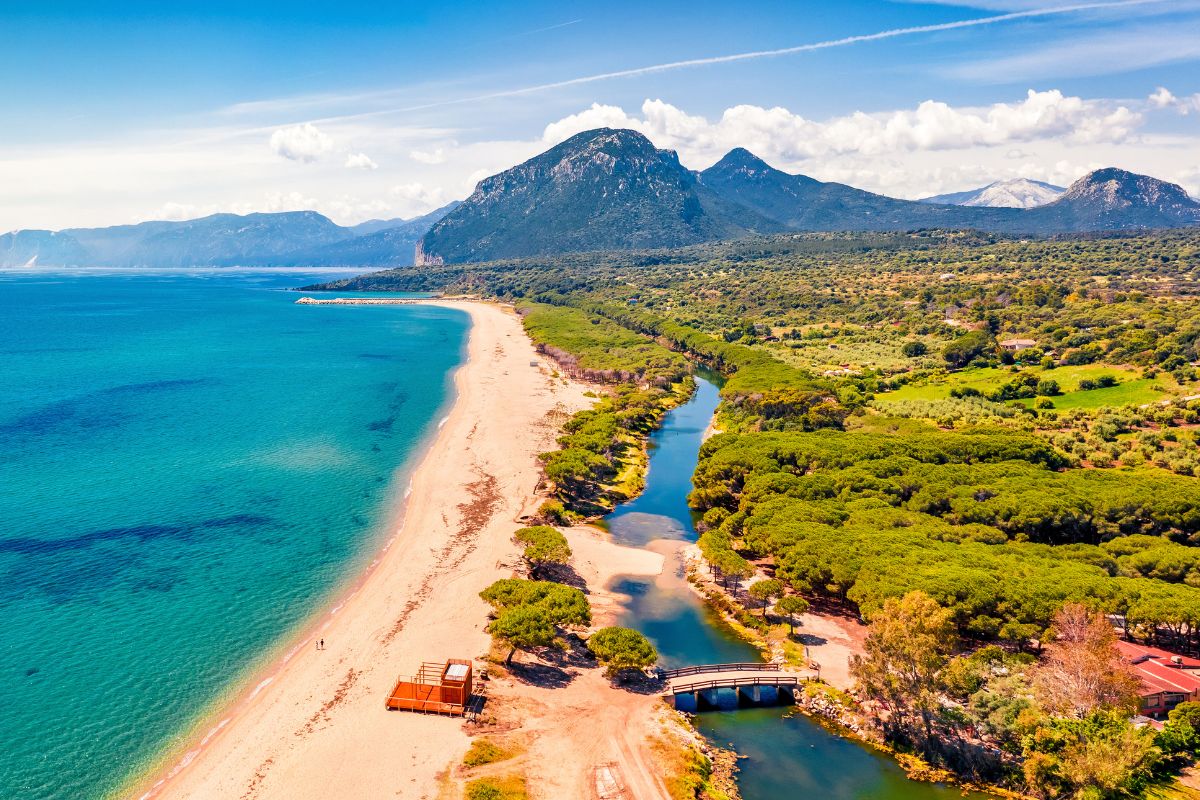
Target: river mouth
(782, 753)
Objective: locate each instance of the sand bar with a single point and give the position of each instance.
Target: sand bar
(314, 726)
(359, 301)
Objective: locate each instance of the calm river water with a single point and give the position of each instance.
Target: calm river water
(785, 754)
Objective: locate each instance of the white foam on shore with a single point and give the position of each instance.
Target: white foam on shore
(288, 655)
(215, 730)
(260, 687)
(444, 420)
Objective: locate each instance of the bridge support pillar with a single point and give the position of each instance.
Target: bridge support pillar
(749, 695)
(702, 701)
(787, 694)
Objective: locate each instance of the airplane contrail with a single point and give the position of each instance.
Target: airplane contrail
(547, 28)
(755, 54)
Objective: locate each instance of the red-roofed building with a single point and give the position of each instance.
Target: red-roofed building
(1167, 679)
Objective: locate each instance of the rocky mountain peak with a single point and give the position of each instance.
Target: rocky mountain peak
(740, 160)
(599, 189)
(1008, 193)
(1112, 188)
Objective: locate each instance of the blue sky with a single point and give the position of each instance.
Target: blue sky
(125, 111)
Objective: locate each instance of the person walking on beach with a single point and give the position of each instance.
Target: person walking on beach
(322, 644)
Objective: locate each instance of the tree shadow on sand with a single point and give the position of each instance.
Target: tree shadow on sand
(555, 667)
(543, 676)
(637, 682)
(810, 639)
(561, 573)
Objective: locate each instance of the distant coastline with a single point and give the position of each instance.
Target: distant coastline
(358, 301)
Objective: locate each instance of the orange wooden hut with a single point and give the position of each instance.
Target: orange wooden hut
(435, 689)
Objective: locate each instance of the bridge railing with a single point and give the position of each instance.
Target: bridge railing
(700, 669)
(734, 683)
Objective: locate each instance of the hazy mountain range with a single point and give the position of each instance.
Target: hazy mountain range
(608, 189)
(1012, 193)
(289, 238)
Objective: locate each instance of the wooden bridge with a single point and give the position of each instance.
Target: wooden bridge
(747, 679)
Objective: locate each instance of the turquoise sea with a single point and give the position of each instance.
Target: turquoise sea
(190, 466)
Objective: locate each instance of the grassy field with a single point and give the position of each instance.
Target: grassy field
(1135, 392)
(858, 350)
(1132, 389)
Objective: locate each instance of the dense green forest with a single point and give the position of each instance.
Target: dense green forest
(991, 525)
(1003, 429)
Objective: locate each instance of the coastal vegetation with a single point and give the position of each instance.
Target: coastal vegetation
(622, 650)
(1056, 727)
(508, 787)
(544, 547)
(528, 614)
(600, 451)
(977, 444)
(594, 349)
(484, 751)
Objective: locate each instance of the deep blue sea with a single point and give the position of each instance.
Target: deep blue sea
(190, 466)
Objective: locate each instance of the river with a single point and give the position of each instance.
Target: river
(784, 753)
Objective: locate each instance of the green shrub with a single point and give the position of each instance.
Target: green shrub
(484, 751)
(1048, 387)
(543, 545)
(622, 649)
(511, 787)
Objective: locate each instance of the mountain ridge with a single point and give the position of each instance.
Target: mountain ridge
(748, 196)
(597, 190)
(604, 189)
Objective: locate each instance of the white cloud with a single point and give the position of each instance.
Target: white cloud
(1190, 179)
(598, 116)
(779, 134)
(478, 175)
(348, 208)
(417, 197)
(301, 142)
(343, 208)
(1163, 98)
(360, 161)
(177, 211)
(435, 156)
(279, 201)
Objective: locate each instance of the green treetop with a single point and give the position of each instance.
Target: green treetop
(622, 649)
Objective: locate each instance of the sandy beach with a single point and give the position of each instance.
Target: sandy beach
(314, 725)
(579, 732)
